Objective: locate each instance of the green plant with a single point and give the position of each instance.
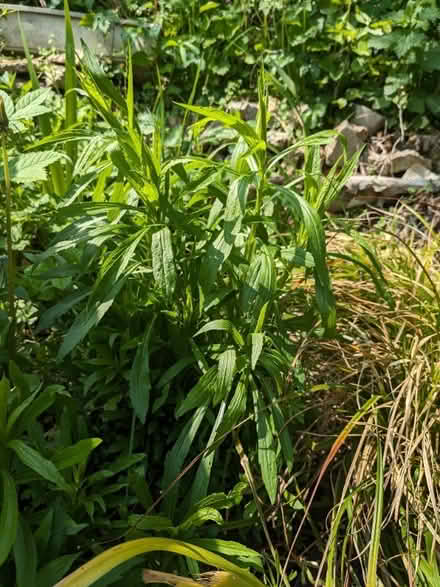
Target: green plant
(24, 462)
(21, 168)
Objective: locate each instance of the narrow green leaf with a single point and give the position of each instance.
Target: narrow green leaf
(232, 549)
(200, 485)
(201, 394)
(267, 458)
(4, 397)
(282, 430)
(8, 515)
(140, 382)
(77, 454)
(257, 341)
(259, 283)
(130, 93)
(89, 318)
(315, 238)
(37, 407)
(49, 316)
(225, 374)
(164, 270)
(373, 555)
(236, 408)
(229, 120)
(43, 467)
(55, 570)
(219, 250)
(70, 84)
(176, 457)
(25, 555)
(220, 325)
(200, 517)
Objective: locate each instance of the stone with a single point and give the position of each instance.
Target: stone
(248, 110)
(355, 137)
(371, 120)
(278, 139)
(400, 161)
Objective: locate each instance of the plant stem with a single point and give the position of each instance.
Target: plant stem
(11, 263)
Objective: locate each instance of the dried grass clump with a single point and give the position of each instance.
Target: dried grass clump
(390, 350)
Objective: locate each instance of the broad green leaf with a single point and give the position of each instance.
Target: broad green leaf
(164, 270)
(298, 257)
(259, 283)
(208, 6)
(176, 457)
(314, 234)
(77, 454)
(89, 318)
(8, 515)
(25, 555)
(232, 549)
(236, 408)
(243, 129)
(267, 457)
(4, 398)
(200, 517)
(201, 394)
(220, 249)
(55, 570)
(174, 371)
(225, 374)
(200, 485)
(220, 325)
(257, 341)
(30, 167)
(146, 523)
(43, 467)
(18, 411)
(140, 382)
(49, 316)
(280, 426)
(34, 409)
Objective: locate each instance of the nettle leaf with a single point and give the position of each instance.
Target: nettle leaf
(31, 104)
(30, 167)
(8, 104)
(164, 270)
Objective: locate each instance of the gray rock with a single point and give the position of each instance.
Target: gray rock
(355, 138)
(248, 110)
(364, 116)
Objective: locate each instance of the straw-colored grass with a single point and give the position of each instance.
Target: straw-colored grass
(392, 454)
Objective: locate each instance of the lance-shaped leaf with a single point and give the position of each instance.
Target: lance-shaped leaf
(164, 270)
